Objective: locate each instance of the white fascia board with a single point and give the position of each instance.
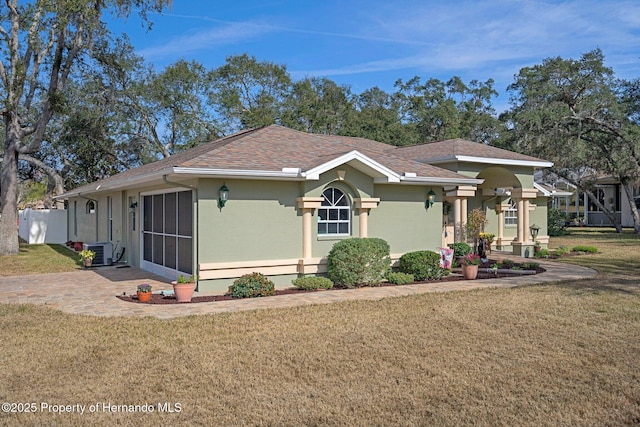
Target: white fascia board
(425, 180)
(97, 187)
(240, 173)
(508, 162)
(388, 174)
(547, 193)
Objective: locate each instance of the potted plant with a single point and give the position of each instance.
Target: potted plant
(470, 264)
(536, 247)
(87, 257)
(183, 288)
(144, 292)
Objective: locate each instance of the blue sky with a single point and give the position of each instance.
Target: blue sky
(374, 43)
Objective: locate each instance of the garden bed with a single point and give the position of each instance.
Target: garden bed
(483, 274)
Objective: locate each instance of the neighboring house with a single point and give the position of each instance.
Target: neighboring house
(292, 195)
(607, 189)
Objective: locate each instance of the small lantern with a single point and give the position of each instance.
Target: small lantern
(431, 197)
(224, 195)
(534, 231)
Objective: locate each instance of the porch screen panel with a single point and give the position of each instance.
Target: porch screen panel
(170, 217)
(168, 230)
(170, 251)
(148, 247)
(185, 255)
(158, 216)
(185, 214)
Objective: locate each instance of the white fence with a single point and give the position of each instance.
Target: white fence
(43, 225)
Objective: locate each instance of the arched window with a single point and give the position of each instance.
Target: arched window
(334, 217)
(91, 207)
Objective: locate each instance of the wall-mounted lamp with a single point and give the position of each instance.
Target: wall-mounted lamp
(133, 206)
(534, 231)
(431, 197)
(224, 195)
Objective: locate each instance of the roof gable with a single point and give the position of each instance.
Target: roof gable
(461, 150)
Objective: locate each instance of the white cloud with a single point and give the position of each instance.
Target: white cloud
(228, 33)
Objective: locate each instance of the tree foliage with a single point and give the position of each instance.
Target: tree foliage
(42, 43)
(574, 113)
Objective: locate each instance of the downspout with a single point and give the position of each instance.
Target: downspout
(96, 202)
(197, 222)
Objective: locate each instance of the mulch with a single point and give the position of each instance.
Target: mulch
(170, 299)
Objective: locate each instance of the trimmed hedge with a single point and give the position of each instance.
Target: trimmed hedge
(252, 285)
(424, 265)
(400, 278)
(312, 282)
(358, 262)
(583, 248)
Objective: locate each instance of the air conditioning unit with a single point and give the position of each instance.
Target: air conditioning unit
(103, 250)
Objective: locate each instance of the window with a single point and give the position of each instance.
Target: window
(109, 219)
(91, 207)
(334, 217)
(511, 213)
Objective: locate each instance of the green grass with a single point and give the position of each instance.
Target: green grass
(566, 353)
(38, 259)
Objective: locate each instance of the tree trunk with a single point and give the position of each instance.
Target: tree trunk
(632, 204)
(611, 215)
(9, 244)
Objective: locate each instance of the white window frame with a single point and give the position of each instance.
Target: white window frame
(511, 214)
(335, 207)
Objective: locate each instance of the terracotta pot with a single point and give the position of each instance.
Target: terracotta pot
(87, 262)
(183, 291)
(144, 296)
(470, 272)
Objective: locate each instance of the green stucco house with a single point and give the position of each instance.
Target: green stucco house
(275, 200)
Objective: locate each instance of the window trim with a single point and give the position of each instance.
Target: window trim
(332, 205)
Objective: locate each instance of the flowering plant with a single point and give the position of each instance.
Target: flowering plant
(144, 287)
(471, 259)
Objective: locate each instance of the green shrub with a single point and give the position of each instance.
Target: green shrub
(358, 262)
(252, 285)
(312, 282)
(556, 220)
(506, 263)
(424, 265)
(530, 265)
(583, 248)
(460, 249)
(543, 253)
(560, 251)
(400, 278)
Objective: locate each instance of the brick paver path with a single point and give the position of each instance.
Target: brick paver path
(93, 292)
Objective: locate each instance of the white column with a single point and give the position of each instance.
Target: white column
(457, 221)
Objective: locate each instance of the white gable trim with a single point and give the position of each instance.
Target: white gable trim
(547, 193)
(384, 174)
(492, 161)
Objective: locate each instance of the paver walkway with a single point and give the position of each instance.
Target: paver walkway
(93, 292)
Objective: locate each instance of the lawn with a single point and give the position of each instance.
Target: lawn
(560, 354)
(36, 259)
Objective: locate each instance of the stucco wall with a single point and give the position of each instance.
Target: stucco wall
(260, 221)
(402, 219)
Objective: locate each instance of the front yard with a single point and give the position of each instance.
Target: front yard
(561, 354)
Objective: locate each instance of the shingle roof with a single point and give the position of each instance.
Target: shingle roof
(457, 149)
(273, 148)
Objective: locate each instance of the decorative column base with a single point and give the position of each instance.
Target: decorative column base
(523, 249)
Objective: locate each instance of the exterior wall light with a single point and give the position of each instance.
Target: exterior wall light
(224, 195)
(431, 197)
(534, 231)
